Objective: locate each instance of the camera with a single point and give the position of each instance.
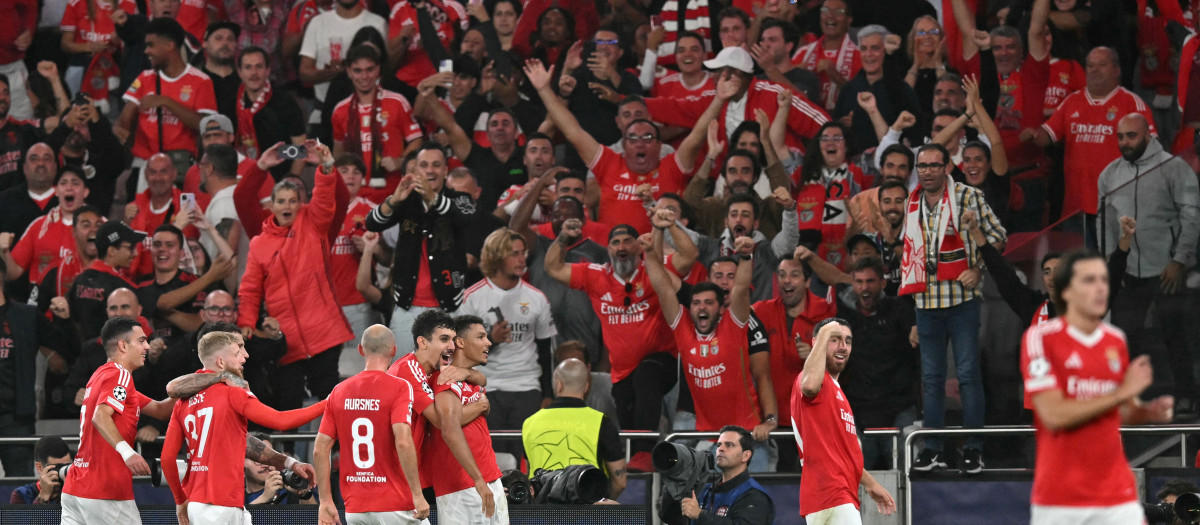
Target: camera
(516, 487)
(80, 100)
(572, 485)
(683, 469)
(293, 152)
(1186, 508)
(293, 480)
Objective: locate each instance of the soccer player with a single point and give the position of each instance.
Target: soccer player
(833, 459)
(470, 493)
(213, 422)
(99, 485)
(372, 414)
(1082, 387)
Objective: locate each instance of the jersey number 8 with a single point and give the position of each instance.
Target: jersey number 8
(364, 433)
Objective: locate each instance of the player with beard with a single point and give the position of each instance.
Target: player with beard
(728, 383)
(741, 220)
(471, 494)
(1082, 387)
(789, 319)
(895, 165)
(49, 238)
(211, 423)
(636, 334)
(833, 459)
(433, 332)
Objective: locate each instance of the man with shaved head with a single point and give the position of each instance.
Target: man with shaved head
(21, 204)
(370, 416)
(1085, 123)
(1166, 203)
(569, 433)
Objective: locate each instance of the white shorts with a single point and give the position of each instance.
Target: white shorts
(1122, 514)
(399, 517)
(85, 511)
(466, 508)
(844, 514)
(205, 514)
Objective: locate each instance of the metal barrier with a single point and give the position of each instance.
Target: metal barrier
(1181, 430)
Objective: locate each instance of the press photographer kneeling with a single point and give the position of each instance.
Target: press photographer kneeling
(734, 496)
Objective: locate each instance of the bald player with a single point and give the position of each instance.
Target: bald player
(568, 432)
(370, 416)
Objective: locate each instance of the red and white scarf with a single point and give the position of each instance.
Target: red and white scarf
(1042, 314)
(247, 142)
(809, 56)
(354, 142)
(822, 206)
(695, 19)
(951, 252)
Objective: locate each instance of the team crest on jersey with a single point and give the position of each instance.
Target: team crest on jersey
(638, 290)
(707, 350)
(185, 94)
(1064, 78)
(1114, 359)
(119, 393)
(1112, 113)
(383, 118)
(524, 308)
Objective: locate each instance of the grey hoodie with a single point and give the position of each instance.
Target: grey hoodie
(766, 254)
(1164, 200)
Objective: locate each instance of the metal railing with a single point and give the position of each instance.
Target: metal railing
(1180, 430)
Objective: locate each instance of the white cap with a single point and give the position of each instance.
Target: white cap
(734, 57)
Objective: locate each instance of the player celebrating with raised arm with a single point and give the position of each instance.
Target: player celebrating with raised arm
(213, 422)
(370, 415)
(1082, 387)
(833, 459)
(99, 485)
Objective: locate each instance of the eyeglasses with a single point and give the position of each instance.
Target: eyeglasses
(602, 42)
(929, 167)
(634, 139)
(932, 32)
(827, 10)
(628, 290)
(220, 309)
(833, 138)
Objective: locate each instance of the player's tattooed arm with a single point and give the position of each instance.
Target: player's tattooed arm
(186, 386)
(258, 450)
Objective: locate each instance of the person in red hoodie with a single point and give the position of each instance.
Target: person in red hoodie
(288, 267)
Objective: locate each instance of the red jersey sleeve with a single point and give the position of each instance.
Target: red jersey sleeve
(70, 19)
(254, 410)
(1035, 75)
(606, 160)
(583, 275)
(170, 451)
(339, 122)
(328, 425)
(22, 253)
(1056, 125)
(402, 404)
(110, 392)
(140, 87)
(405, 124)
(206, 99)
(1035, 366)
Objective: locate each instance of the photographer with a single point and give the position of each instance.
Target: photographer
(1172, 490)
(735, 498)
(265, 486)
(50, 454)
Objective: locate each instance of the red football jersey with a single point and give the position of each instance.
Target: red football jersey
(1087, 127)
(98, 471)
(696, 274)
(833, 460)
(193, 15)
(1066, 77)
(408, 369)
(343, 262)
(416, 65)
(1022, 97)
(1055, 356)
(618, 202)
(449, 476)
(45, 243)
(672, 86)
(396, 126)
(75, 20)
(192, 88)
(631, 318)
(360, 415)
(781, 332)
(717, 368)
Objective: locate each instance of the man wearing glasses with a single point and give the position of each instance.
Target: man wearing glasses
(940, 267)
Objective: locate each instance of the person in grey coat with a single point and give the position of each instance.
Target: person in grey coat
(741, 219)
(1160, 192)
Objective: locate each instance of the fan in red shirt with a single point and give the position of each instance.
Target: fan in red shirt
(724, 378)
(624, 179)
(1082, 388)
(1086, 124)
(833, 460)
(212, 423)
(372, 414)
(449, 20)
(788, 320)
(374, 121)
(470, 492)
(833, 57)
(172, 97)
(49, 238)
(159, 204)
(99, 485)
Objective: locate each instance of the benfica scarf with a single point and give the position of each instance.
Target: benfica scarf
(695, 17)
(951, 253)
(1042, 314)
(247, 142)
(808, 56)
(358, 121)
(101, 76)
(822, 206)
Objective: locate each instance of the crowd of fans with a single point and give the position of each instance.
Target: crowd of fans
(673, 192)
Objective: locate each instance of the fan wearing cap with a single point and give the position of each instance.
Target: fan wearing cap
(753, 94)
(220, 50)
(167, 101)
(49, 238)
(218, 129)
(115, 243)
(625, 177)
